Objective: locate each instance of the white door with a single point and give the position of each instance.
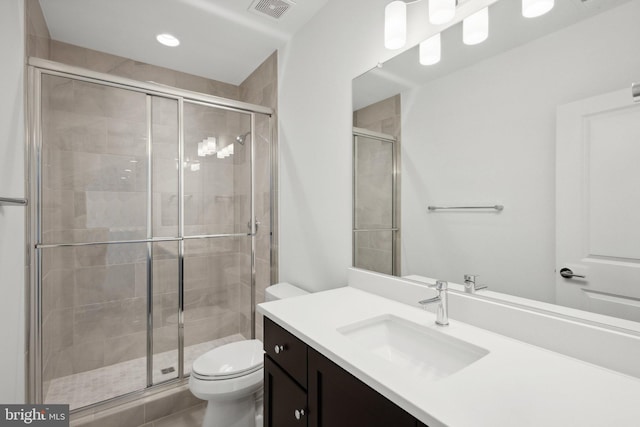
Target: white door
(598, 205)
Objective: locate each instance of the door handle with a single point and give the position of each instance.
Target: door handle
(257, 227)
(11, 201)
(568, 274)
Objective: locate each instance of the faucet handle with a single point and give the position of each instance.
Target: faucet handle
(440, 285)
(471, 277)
(470, 284)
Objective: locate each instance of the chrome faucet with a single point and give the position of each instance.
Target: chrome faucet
(442, 317)
(470, 286)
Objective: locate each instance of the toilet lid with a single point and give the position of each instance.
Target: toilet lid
(230, 360)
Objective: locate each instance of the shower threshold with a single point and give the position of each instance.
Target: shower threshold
(86, 388)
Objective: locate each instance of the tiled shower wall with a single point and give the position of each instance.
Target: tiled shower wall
(383, 117)
(37, 37)
(86, 328)
(373, 249)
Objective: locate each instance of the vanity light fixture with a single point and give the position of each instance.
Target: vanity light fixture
(475, 28)
(207, 147)
(430, 50)
(167, 40)
(395, 25)
(535, 8)
(225, 152)
(441, 11)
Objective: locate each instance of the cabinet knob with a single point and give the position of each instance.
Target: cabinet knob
(299, 413)
(279, 349)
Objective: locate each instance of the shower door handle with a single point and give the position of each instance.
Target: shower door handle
(9, 201)
(257, 224)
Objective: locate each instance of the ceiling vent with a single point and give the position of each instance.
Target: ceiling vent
(271, 8)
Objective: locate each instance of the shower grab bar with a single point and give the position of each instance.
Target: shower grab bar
(635, 92)
(12, 202)
(436, 208)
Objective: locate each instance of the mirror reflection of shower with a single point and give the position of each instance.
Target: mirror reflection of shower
(210, 146)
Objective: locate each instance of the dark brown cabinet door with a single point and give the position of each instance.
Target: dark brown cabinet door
(286, 350)
(285, 402)
(338, 399)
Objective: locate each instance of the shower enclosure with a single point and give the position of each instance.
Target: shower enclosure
(150, 205)
(375, 202)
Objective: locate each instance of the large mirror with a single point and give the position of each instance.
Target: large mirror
(539, 120)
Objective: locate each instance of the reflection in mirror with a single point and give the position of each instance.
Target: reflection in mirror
(375, 226)
(540, 119)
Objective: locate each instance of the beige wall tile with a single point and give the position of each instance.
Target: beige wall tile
(68, 54)
(38, 36)
(125, 347)
(223, 324)
(38, 47)
(190, 417)
(165, 338)
(104, 283)
(124, 67)
(191, 82)
(127, 416)
(372, 116)
(169, 404)
(104, 62)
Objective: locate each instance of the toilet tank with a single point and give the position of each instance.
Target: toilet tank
(282, 290)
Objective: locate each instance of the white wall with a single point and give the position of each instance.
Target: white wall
(12, 184)
(487, 134)
(342, 41)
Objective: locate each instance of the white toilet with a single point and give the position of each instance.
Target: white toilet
(230, 377)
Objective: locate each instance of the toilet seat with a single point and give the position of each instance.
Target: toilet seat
(229, 361)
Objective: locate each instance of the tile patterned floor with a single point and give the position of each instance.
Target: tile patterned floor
(94, 386)
(193, 417)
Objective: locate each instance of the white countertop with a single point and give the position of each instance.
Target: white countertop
(516, 384)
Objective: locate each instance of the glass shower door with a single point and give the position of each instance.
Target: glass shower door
(91, 241)
(375, 227)
(218, 208)
(163, 268)
(146, 234)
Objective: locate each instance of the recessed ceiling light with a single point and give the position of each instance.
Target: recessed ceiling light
(168, 40)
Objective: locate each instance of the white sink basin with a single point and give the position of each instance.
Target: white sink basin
(418, 350)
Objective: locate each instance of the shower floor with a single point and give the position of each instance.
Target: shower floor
(94, 386)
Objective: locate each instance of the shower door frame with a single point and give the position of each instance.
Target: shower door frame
(36, 68)
(395, 199)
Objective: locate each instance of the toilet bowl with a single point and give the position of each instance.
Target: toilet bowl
(230, 377)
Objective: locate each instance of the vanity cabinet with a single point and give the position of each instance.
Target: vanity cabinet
(320, 395)
(338, 399)
(282, 398)
(285, 378)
